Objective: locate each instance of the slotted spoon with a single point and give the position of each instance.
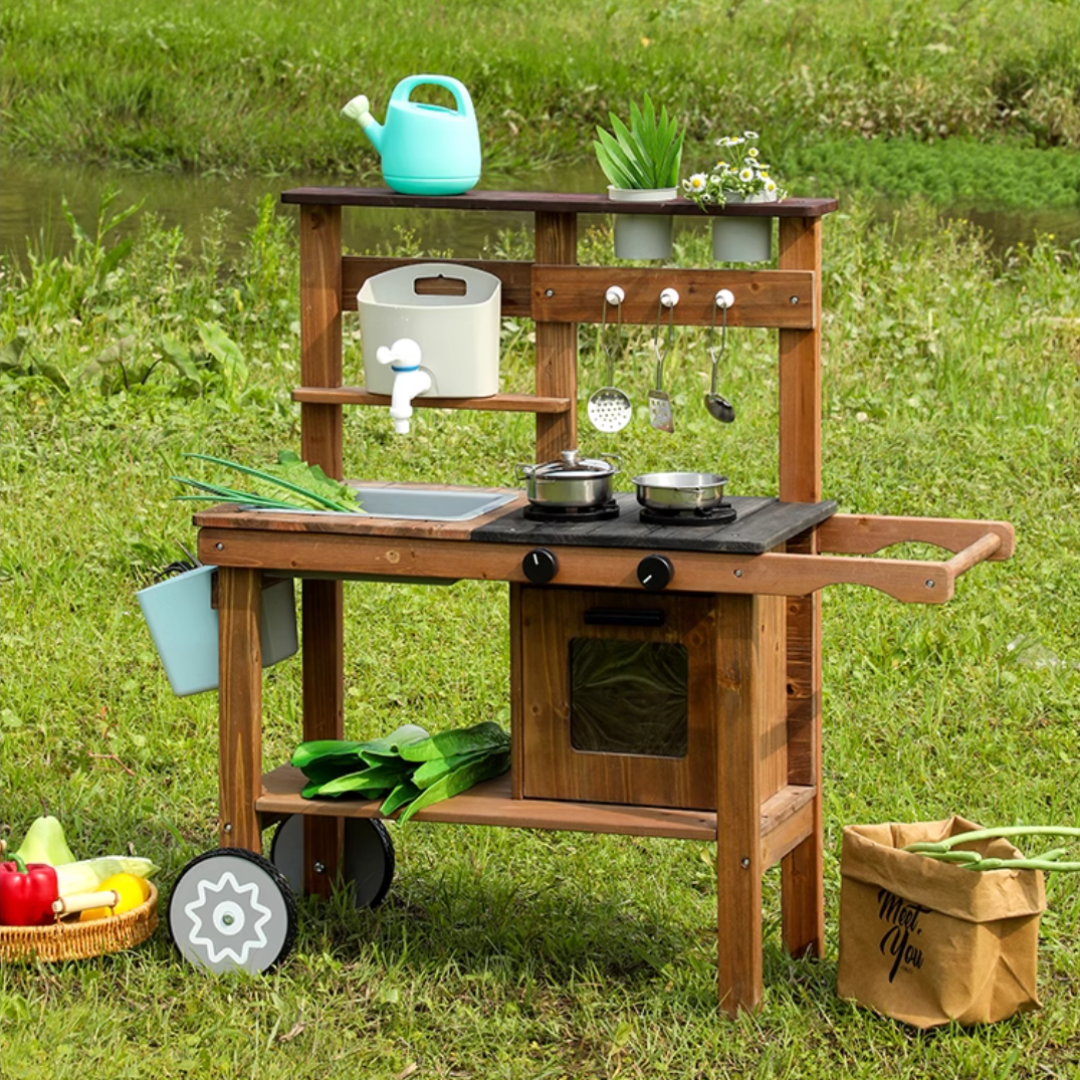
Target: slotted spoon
(609, 408)
(719, 407)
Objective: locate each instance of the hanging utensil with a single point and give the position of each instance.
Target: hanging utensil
(610, 409)
(659, 402)
(719, 407)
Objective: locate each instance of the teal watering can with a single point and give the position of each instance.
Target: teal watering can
(425, 149)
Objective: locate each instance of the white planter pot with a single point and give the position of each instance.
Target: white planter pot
(743, 239)
(185, 627)
(643, 236)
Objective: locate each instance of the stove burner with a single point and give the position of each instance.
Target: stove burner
(723, 514)
(604, 512)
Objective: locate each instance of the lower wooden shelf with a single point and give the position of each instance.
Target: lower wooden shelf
(786, 818)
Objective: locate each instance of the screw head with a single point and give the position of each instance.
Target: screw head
(793, 300)
(320, 868)
(549, 292)
(744, 863)
(929, 583)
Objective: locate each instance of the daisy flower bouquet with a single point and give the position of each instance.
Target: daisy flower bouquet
(739, 176)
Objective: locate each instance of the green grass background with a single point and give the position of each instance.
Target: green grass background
(952, 388)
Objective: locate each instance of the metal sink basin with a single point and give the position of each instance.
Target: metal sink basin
(420, 505)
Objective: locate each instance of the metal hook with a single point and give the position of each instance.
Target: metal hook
(614, 297)
(668, 299)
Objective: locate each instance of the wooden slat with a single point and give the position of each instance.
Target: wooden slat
(556, 342)
(239, 707)
(741, 676)
(862, 534)
(802, 872)
(772, 733)
(787, 819)
(773, 574)
(491, 803)
(545, 201)
(358, 395)
(517, 697)
(321, 439)
(516, 278)
(762, 298)
(320, 333)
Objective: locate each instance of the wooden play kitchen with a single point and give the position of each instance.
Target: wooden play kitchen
(722, 622)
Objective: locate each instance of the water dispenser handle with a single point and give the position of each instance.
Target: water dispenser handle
(403, 355)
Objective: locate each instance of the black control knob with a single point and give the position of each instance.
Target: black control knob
(540, 566)
(655, 572)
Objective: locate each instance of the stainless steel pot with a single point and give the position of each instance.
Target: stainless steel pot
(573, 481)
(680, 490)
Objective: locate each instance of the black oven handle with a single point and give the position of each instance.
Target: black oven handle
(606, 616)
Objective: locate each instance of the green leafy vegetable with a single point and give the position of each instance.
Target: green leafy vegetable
(458, 781)
(409, 767)
(291, 484)
(484, 736)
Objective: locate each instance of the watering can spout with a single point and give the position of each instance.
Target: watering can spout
(359, 110)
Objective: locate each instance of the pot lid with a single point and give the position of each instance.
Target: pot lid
(573, 466)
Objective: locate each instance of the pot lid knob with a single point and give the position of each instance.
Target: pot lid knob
(570, 457)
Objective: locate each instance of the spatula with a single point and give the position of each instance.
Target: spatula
(660, 416)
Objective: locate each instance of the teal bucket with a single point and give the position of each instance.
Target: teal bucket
(185, 627)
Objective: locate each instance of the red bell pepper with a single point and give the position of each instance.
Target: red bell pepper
(27, 892)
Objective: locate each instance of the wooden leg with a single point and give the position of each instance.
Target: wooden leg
(802, 892)
(738, 845)
(239, 707)
(324, 717)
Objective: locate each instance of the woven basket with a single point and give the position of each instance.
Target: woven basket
(81, 940)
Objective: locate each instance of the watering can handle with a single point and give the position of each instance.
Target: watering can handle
(461, 95)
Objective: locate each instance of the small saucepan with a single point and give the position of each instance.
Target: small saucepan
(680, 490)
(573, 482)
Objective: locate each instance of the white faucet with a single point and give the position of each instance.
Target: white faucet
(410, 379)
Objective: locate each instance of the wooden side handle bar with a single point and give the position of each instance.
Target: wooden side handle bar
(865, 534)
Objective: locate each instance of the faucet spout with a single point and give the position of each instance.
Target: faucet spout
(407, 385)
(410, 379)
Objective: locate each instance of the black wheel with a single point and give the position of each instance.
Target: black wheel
(232, 910)
(367, 858)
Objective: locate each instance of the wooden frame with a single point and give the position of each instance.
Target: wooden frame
(767, 745)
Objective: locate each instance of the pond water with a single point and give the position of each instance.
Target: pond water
(31, 197)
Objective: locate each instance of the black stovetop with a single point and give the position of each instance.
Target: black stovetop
(760, 525)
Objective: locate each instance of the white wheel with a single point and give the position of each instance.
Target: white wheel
(232, 910)
(367, 862)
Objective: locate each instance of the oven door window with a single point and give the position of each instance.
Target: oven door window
(629, 697)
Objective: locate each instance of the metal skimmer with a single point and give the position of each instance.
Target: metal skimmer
(610, 409)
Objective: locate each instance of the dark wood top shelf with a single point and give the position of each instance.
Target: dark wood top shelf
(546, 201)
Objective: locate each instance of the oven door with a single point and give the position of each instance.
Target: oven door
(619, 696)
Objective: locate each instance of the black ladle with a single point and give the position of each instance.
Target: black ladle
(719, 407)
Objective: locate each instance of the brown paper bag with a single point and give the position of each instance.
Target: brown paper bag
(928, 942)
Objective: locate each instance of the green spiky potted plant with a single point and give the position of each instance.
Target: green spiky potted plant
(642, 162)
